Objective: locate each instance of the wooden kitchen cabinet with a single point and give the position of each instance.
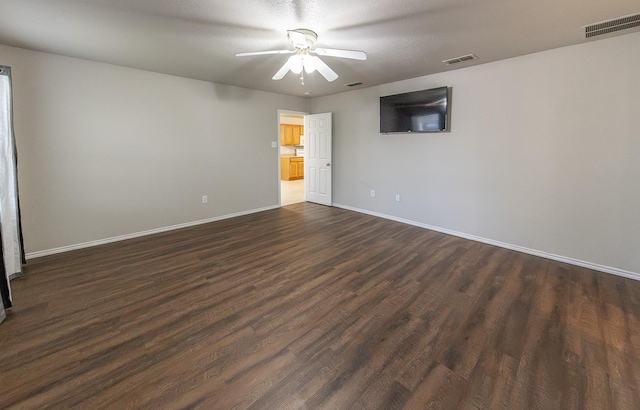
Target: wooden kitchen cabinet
(286, 134)
(297, 167)
(290, 134)
(291, 168)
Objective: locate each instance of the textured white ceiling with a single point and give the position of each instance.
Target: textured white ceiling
(199, 38)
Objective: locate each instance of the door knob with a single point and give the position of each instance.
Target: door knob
(328, 164)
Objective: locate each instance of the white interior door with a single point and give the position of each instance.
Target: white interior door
(317, 158)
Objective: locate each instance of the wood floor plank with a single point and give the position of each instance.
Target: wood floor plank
(313, 307)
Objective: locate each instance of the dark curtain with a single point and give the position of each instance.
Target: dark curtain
(4, 284)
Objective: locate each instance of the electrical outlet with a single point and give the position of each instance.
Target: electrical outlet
(373, 193)
(274, 144)
(205, 199)
(397, 197)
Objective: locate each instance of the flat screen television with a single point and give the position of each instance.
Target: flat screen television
(417, 111)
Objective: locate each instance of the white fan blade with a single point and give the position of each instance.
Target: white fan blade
(260, 53)
(281, 72)
(332, 52)
(324, 69)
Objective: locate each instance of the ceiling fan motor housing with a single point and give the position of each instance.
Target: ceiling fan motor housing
(302, 38)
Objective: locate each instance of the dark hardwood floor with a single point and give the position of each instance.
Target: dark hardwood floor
(310, 307)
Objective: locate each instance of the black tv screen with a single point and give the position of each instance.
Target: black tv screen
(417, 111)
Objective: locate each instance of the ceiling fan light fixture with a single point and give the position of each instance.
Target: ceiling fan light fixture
(295, 63)
(310, 64)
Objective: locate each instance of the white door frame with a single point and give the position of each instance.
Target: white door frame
(280, 113)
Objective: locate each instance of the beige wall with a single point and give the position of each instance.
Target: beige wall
(107, 151)
(292, 119)
(543, 155)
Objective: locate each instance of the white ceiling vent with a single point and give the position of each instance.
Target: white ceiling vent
(611, 26)
(460, 59)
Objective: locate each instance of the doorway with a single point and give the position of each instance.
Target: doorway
(291, 156)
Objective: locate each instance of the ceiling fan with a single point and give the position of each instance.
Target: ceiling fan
(304, 59)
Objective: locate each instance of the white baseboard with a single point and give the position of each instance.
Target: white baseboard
(584, 264)
(62, 249)
(572, 261)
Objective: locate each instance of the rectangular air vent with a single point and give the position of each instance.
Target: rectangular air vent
(354, 84)
(611, 26)
(460, 59)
